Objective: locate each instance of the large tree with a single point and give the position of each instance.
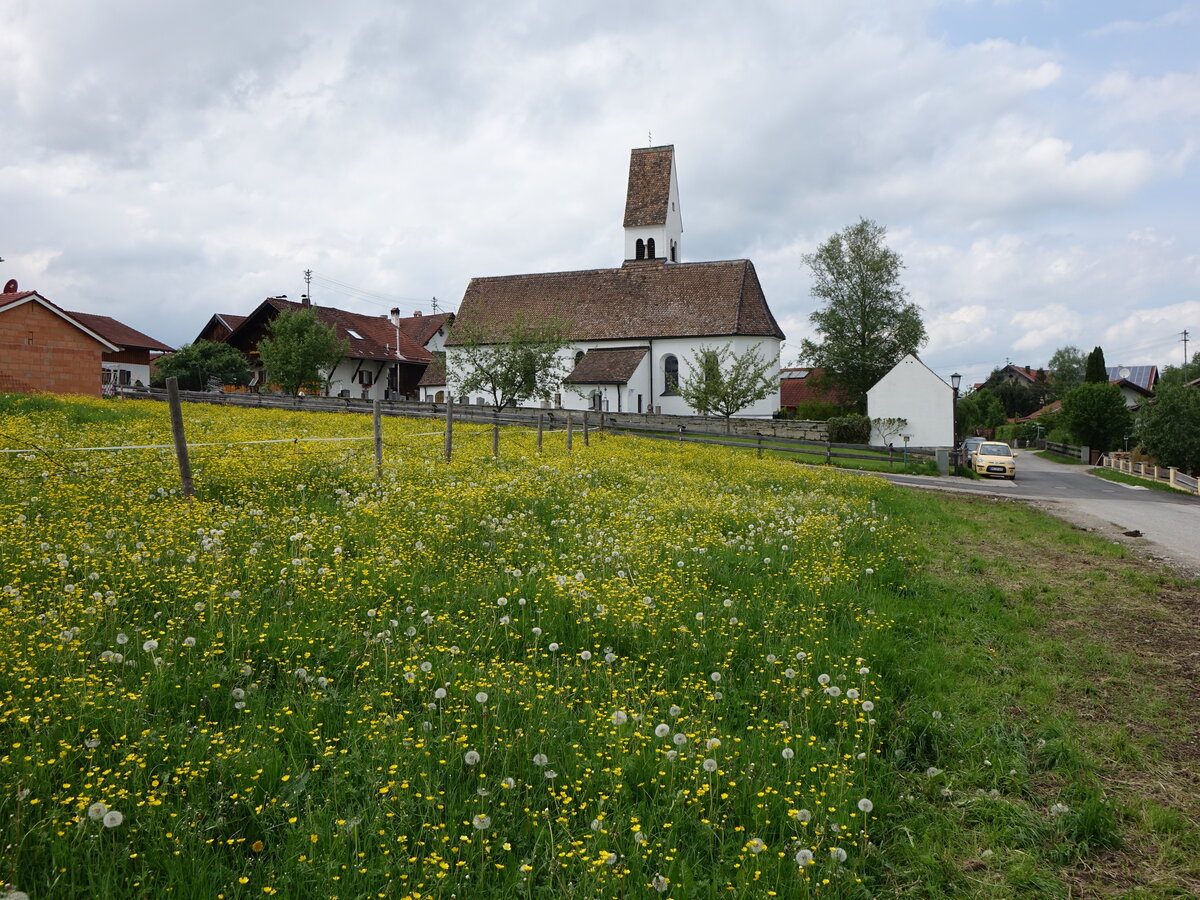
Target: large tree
(1096, 415)
(979, 411)
(198, 364)
(867, 325)
(725, 383)
(1168, 428)
(522, 361)
(1066, 370)
(301, 350)
(1095, 371)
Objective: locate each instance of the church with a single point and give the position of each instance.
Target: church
(631, 331)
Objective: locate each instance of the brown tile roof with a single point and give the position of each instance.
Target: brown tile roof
(13, 298)
(614, 366)
(649, 185)
(422, 328)
(119, 333)
(367, 337)
(435, 373)
(636, 302)
(800, 385)
(10, 298)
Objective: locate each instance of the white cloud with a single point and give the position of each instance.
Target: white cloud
(1047, 328)
(1131, 99)
(1188, 14)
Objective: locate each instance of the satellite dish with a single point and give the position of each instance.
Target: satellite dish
(1124, 372)
(10, 286)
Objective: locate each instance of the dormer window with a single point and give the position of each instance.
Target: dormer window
(640, 249)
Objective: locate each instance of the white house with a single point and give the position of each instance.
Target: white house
(913, 392)
(632, 331)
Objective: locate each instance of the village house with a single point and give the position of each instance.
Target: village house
(385, 358)
(46, 348)
(631, 331)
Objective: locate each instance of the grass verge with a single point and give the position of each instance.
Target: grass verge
(1045, 741)
(1059, 458)
(1125, 478)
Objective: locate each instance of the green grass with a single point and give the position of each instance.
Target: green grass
(1126, 478)
(331, 652)
(1059, 458)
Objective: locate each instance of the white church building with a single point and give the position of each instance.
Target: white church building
(631, 331)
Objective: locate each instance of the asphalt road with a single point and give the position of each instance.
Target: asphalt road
(1172, 521)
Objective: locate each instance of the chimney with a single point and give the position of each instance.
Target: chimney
(395, 315)
(304, 301)
(417, 314)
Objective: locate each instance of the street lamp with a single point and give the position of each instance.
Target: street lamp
(955, 381)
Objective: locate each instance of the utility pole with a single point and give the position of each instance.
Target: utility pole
(1184, 333)
(308, 284)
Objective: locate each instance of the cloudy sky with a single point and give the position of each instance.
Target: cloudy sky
(1035, 161)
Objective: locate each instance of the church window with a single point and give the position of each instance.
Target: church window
(650, 249)
(673, 245)
(670, 375)
(578, 356)
(640, 250)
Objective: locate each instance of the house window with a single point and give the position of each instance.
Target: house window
(650, 248)
(439, 397)
(354, 334)
(640, 249)
(366, 378)
(596, 399)
(670, 375)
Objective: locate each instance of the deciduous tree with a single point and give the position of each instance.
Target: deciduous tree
(195, 365)
(867, 325)
(1066, 370)
(1096, 415)
(725, 383)
(521, 362)
(300, 350)
(1168, 428)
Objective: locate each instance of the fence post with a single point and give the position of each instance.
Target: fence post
(378, 425)
(449, 427)
(495, 434)
(539, 437)
(570, 429)
(1171, 470)
(586, 442)
(181, 450)
(828, 453)
(760, 446)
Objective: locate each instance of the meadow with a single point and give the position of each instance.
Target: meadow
(636, 669)
(630, 668)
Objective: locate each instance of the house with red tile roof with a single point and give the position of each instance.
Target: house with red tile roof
(798, 386)
(131, 363)
(631, 331)
(45, 348)
(385, 357)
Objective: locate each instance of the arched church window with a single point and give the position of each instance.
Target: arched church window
(670, 375)
(640, 249)
(673, 245)
(650, 249)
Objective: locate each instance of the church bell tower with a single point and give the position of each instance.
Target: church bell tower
(653, 224)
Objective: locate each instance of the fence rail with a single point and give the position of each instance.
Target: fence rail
(1168, 475)
(1066, 450)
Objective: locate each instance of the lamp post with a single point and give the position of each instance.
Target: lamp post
(955, 381)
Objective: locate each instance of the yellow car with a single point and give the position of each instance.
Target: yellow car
(991, 458)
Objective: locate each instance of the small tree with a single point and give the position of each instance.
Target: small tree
(867, 324)
(1096, 415)
(521, 362)
(978, 411)
(1096, 372)
(889, 427)
(725, 383)
(1168, 428)
(300, 350)
(195, 365)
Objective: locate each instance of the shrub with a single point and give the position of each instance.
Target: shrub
(851, 429)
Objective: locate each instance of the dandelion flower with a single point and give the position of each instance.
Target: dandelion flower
(122, 638)
(112, 819)
(675, 712)
(868, 706)
(754, 845)
(585, 655)
(803, 816)
(660, 884)
(788, 753)
(470, 757)
(679, 739)
(97, 811)
(804, 857)
(482, 822)
(837, 854)
(710, 765)
(823, 679)
(662, 730)
(715, 676)
(865, 805)
(481, 697)
(619, 717)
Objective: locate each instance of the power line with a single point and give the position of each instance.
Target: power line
(351, 290)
